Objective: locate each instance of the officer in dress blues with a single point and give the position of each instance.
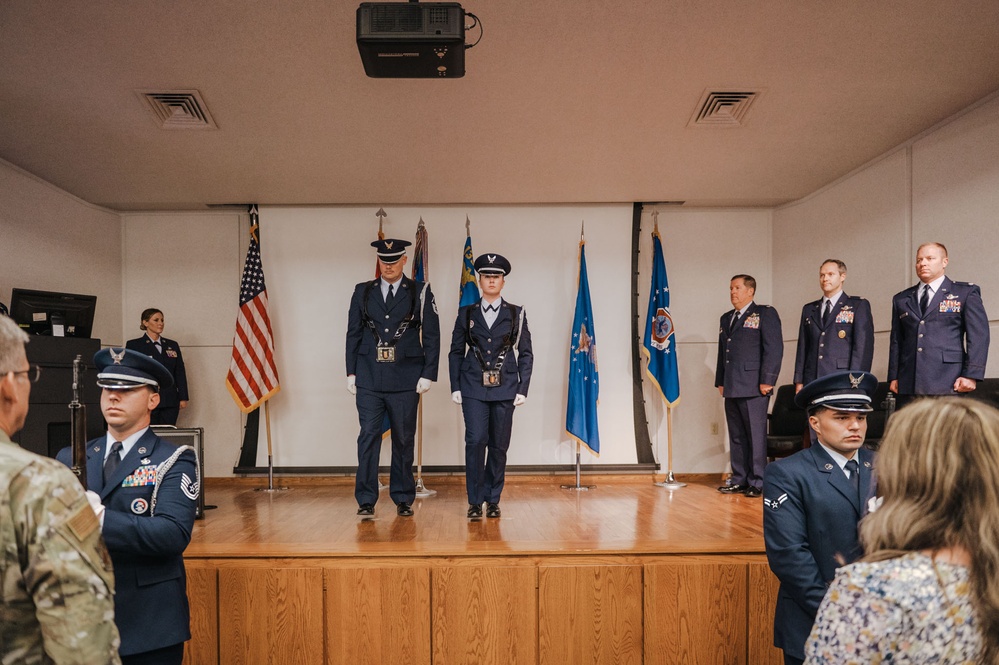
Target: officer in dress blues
(750, 350)
(149, 489)
(167, 353)
(393, 348)
(939, 332)
(490, 366)
(836, 331)
(813, 501)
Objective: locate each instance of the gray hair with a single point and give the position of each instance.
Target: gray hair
(12, 341)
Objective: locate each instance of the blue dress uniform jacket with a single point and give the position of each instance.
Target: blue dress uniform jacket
(928, 353)
(414, 360)
(810, 517)
(464, 369)
(146, 537)
(170, 358)
(846, 343)
(751, 354)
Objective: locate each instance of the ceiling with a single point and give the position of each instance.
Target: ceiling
(562, 101)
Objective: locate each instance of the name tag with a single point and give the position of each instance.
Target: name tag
(491, 377)
(385, 354)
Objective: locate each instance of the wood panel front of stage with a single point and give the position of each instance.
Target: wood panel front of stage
(343, 593)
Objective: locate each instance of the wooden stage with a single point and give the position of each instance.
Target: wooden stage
(624, 573)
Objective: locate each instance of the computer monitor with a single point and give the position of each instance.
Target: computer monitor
(52, 313)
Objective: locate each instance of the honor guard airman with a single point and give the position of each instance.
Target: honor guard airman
(490, 366)
(813, 501)
(939, 332)
(750, 350)
(393, 348)
(149, 488)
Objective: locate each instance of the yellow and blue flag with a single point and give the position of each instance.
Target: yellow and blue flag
(584, 379)
(468, 288)
(659, 344)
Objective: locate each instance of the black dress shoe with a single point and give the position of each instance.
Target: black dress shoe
(474, 510)
(366, 509)
(404, 509)
(754, 492)
(733, 489)
(492, 510)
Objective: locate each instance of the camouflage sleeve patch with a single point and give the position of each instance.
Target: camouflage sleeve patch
(83, 523)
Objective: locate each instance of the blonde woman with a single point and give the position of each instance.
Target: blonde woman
(928, 589)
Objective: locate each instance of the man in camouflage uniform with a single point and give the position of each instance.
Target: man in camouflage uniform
(56, 585)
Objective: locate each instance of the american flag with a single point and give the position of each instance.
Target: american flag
(253, 376)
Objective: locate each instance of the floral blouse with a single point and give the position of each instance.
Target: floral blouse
(896, 611)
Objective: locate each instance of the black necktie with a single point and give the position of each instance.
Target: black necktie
(854, 469)
(924, 300)
(826, 312)
(159, 349)
(735, 319)
(113, 460)
(390, 296)
(492, 308)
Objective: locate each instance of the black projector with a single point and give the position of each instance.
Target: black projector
(411, 39)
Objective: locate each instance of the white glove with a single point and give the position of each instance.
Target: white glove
(456, 397)
(351, 387)
(423, 385)
(95, 504)
(519, 400)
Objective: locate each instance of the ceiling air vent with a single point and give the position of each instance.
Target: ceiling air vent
(723, 109)
(178, 109)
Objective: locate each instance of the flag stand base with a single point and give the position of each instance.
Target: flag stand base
(670, 482)
(577, 486)
(422, 490)
(270, 479)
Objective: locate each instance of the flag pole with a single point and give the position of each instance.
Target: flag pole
(670, 482)
(579, 487)
(270, 454)
(421, 489)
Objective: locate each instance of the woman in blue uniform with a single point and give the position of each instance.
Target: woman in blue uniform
(167, 353)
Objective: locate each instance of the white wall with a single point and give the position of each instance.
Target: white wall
(314, 256)
(53, 241)
(189, 266)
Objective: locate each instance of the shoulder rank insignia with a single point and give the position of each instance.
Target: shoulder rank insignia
(774, 504)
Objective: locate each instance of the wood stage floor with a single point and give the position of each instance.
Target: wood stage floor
(621, 515)
(626, 573)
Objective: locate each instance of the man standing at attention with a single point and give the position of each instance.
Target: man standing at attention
(149, 488)
(939, 332)
(56, 585)
(813, 501)
(750, 349)
(490, 364)
(393, 347)
(836, 332)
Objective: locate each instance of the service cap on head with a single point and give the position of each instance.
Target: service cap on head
(842, 391)
(492, 264)
(390, 250)
(124, 369)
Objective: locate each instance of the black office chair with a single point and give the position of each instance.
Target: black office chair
(787, 425)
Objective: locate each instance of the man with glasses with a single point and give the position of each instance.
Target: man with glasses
(56, 584)
(149, 488)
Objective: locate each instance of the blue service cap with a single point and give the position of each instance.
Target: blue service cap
(124, 369)
(390, 250)
(492, 264)
(842, 391)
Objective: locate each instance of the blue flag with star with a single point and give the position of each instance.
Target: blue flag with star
(468, 289)
(659, 345)
(584, 379)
